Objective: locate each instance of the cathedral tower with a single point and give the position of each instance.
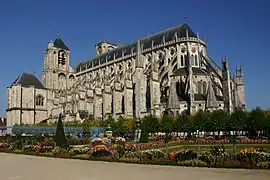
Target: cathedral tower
(57, 73)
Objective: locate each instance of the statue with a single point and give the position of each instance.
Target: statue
(108, 132)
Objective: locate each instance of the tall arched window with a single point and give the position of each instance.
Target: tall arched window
(123, 104)
(71, 81)
(186, 60)
(62, 81)
(61, 57)
(192, 60)
(182, 60)
(204, 87)
(196, 60)
(199, 87)
(39, 100)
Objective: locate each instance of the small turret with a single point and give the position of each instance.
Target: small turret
(50, 45)
(104, 47)
(239, 80)
(226, 84)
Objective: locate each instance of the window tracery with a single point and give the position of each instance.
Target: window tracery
(39, 100)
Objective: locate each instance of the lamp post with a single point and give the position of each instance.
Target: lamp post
(63, 116)
(137, 131)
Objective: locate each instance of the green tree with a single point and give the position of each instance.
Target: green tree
(166, 124)
(144, 131)
(256, 121)
(120, 129)
(109, 121)
(237, 121)
(178, 124)
(268, 125)
(200, 120)
(219, 119)
(188, 124)
(60, 138)
(153, 123)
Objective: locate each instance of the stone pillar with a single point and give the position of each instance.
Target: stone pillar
(128, 94)
(154, 87)
(140, 92)
(140, 83)
(82, 102)
(90, 101)
(117, 99)
(98, 103)
(107, 100)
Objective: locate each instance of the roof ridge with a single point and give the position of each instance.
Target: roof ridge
(125, 45)
(37, 78)
(19, 78)
(162, 31)
(156, 37)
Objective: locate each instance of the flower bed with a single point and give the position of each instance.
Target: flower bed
(5, 147)
(255, 141)
(121, 151)
(201, 141)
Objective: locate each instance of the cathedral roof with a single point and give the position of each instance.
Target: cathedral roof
(182, 30)
(59, 43)
(184, 71)
(27, 80)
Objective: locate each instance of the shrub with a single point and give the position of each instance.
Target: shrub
(4, 145)
(185, 155)
(101, 153)
(206, 157)
(17, 142)
(61, 152)
(193, 163)
(253, 157)
(60, 138)
(152, 154)
(263, 165)
(80, 150)
(232, 164)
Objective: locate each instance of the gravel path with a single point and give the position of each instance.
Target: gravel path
(23, 167)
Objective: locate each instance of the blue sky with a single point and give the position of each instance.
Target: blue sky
(239, 29)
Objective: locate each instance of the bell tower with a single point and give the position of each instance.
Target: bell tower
(56, 69)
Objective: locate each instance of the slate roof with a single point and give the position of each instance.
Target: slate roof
(59, 43)
(27, 80)
(184, 71)
(156, 39)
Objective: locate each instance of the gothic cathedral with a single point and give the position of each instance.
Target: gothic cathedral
(168, 72)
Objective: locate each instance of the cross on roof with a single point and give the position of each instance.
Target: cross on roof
(185, 20)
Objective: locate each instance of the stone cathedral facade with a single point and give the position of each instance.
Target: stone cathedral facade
(168, 72)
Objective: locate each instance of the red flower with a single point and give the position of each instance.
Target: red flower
(46, 142)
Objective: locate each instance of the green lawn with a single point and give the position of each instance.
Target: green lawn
(206, 147)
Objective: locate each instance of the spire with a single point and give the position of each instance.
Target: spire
(58, 36)
(139, 57)
(59, 43)
(185, 20)
(211, 101)
(241, 70)
(236, 71)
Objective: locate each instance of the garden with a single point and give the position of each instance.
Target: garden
(217, 139)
